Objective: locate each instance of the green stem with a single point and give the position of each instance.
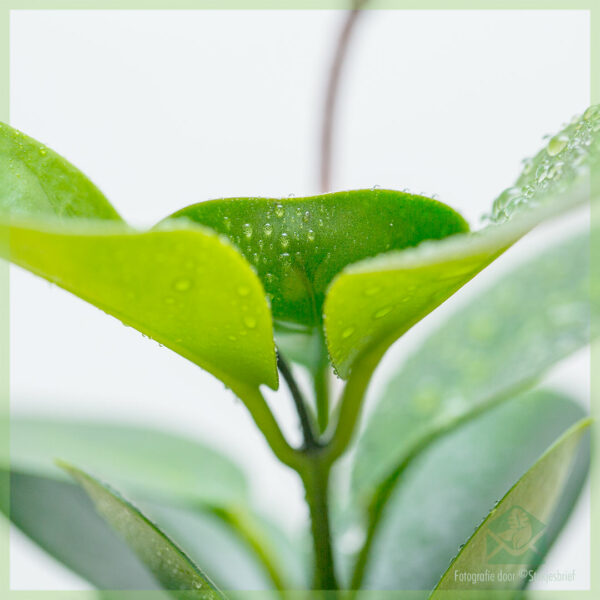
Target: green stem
(321, 387)
(306, 425)
(245, 525)
(265, 421)
(315, 477)
(350, 406)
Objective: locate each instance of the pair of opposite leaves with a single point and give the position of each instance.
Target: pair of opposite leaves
(208, 281)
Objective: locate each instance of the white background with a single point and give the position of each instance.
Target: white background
(163, 109)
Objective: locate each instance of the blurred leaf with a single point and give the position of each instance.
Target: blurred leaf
(500, 341)
(59, 517)
(297, 245)
(140, 461)
(171, 567)
(450, 487)
(372, 303)
(167, 283)
(528, 506)
(240, 545)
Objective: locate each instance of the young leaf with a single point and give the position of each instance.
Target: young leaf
(298, 245)
(139, 461)
(171, 567)
(510, 538)
(501, 340)
(167, 283)
(449, 488)
(373, 302)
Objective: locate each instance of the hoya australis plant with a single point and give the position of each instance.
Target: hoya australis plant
(253, 289)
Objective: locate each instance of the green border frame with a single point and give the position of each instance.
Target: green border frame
(593, 6)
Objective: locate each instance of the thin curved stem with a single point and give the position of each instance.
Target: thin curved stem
(331, 95)
(265, 421)
(350, 407)
(310, 441)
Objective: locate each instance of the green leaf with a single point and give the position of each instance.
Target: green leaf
(452, 486)
(34, 180)
(59, 517)
(139, 461)
(510, 531)
(234, 545)
(298, 245)
(167, 283)
(500, 341)
(171, 567)
(373, 302)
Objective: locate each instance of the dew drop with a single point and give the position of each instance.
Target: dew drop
(269, 277)
(284, 240)
(227, 223)
(268, 229)
(382, 312)
(279, 211)
(306, 216)
(557, 144)
(43, 151)
(310, 236)
(182, 285)
(249, 322)
(247, 229)
(347, 332)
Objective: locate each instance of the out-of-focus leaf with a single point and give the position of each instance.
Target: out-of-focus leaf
(297, 245)
(452, 486)
(167, 562)
(143, 462)
(511, 536)
(503, 339)
(167, 283)
(167, 475)
(60, 518)
(373, 302)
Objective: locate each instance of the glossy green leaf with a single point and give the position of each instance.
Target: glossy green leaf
(168, 563)
(511, 535)
(452, 486)
(168, 283)
(59, 517)
(501, 340)
(297, 245)
(139, 461)
(373, 302)
(34, 180)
